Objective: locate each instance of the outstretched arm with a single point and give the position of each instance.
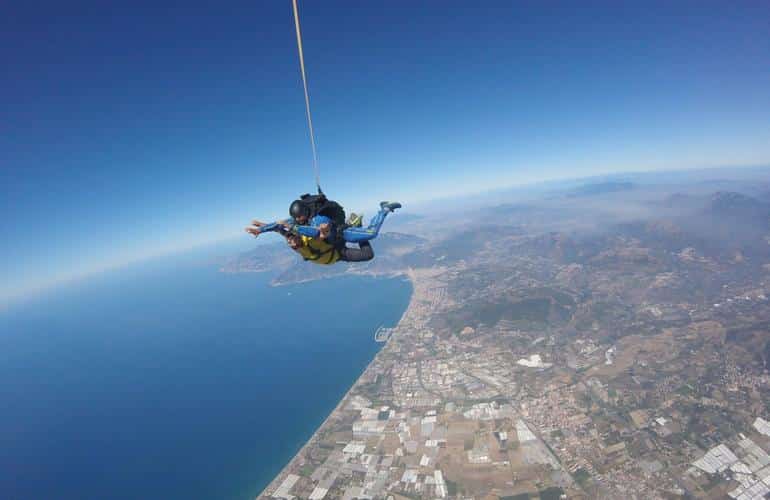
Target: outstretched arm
(258, 228)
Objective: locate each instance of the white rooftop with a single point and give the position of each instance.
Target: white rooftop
(755, 457)
(354, 448)
(523, 432)
(409, 476)
(717, 459)
(441, 490)
(762, 426)
(369, 414)
(534, 361)
(756, 491)
(318, 493)
(283, 490)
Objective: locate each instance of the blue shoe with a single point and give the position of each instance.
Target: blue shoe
(390, 206)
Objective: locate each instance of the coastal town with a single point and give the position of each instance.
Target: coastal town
(633, 364)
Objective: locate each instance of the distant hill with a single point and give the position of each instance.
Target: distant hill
(680, 200)
(600, 188)
(263, 258)
(720, 226)
(736, 205)
(391, 253)
(405, 218)
(462, 245)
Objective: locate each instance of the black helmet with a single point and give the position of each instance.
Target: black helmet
(298, 209)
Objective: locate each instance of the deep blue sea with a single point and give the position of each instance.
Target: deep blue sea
(173, 380)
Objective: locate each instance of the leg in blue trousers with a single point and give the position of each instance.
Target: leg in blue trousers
(358, 234)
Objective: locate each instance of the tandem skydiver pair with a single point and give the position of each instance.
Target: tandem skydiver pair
(319, 232)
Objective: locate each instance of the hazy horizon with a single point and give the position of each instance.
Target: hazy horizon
(238, 241)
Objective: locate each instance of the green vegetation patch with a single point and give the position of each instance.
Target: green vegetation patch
(552, 493)
(451, 487)
(521, 496)
(561, 298)
(582, 476)
(536, 309)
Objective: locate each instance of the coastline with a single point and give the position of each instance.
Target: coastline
(294, 462)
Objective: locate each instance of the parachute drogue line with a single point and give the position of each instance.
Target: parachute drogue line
(307, 96)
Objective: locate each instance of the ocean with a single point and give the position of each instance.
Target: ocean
(174, 380)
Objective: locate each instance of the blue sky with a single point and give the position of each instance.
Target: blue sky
(132, 130)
